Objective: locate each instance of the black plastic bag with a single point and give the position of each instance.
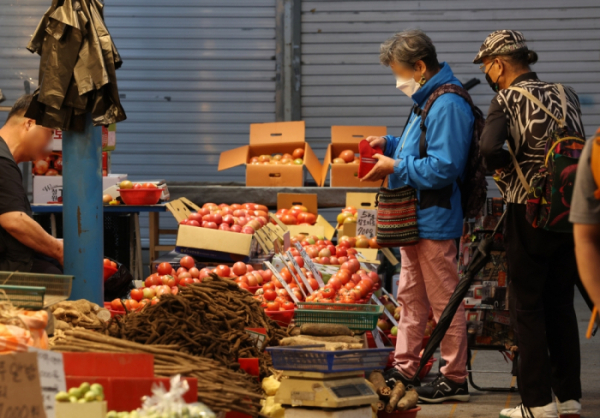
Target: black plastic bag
(119, 284)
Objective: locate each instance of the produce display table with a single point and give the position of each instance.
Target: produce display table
(136, 246)
(229, 193)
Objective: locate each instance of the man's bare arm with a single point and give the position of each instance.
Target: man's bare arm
(28, 232)
(587, 249)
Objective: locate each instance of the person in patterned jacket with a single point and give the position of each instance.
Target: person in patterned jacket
(541, 264)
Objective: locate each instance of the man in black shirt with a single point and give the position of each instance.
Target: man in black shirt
(22, 238)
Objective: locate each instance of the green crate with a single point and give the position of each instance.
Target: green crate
(30, 297)
(58, 286)
(356, 317)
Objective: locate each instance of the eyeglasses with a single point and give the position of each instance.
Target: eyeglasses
(483, 67)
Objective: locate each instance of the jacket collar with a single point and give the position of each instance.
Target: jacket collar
(525, 77)
(444, 76)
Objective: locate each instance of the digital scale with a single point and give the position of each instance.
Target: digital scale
(325, 390)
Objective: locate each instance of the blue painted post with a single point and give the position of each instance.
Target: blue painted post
(83, 217)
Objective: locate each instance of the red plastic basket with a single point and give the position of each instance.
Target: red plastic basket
(411, 413)
(283, 318)
(109, 271)
(253, 289)
(140, 197)
(113, 313)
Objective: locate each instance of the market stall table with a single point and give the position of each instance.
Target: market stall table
(136, 246)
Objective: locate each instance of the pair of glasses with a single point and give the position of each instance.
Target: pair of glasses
(482, 68)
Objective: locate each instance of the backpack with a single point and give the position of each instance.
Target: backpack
(595, 163)
(549, 195)
(473, 189)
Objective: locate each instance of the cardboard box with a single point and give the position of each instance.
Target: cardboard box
(49, 188)
(347, 138)
(79, 410)
(274, 138)
(209, 243)
(321, 228)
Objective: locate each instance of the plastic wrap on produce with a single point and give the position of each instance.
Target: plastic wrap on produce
(78, 65)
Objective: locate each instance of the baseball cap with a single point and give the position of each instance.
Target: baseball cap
(501, 42)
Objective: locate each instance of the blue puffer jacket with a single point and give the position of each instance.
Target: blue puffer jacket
(449, 131)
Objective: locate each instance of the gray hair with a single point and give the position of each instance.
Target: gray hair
(408, 47)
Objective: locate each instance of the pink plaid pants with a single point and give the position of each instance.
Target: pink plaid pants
(428, 278)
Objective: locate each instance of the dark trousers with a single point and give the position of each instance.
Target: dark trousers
(542, 273)
(45, 267)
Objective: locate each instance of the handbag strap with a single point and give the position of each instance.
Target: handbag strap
(518, 168)
(536, 101)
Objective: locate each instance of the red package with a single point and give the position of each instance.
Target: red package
(367, 162)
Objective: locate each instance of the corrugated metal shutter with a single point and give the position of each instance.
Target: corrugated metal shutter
(344, 84)
(196, 73)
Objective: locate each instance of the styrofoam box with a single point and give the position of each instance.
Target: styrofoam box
(49, 188)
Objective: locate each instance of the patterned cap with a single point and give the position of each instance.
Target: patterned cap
(501, 42)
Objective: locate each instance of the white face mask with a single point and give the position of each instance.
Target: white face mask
(407, 86)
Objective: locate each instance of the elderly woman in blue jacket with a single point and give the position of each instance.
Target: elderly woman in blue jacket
(429, 269)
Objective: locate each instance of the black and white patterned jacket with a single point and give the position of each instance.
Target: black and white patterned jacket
(514, 117)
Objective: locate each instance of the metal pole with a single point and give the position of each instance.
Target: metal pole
(83, 220)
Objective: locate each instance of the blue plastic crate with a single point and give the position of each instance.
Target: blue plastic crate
(310, 359)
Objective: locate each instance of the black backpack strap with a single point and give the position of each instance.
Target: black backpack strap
(443, 89)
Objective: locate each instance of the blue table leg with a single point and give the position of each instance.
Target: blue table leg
(83, 221)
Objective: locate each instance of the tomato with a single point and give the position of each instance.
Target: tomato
(273, 306)
(335, 283)
(162, 290)
(244, 286)
(149, 186)
(270, 294)
(172, 282)
(288, 306)
(252, 282)
(268, 286)
(174, 290)
(113, 264)
(239, 268)
(205, 272)
(287, 276)
(187, 262)
(154, 301)
(186, 281)
(343, 276)
(194, 272)
(107, 262)
(181, 270)
(222, 271)
(366, 284)
(131, 305)
(116, 305)
(289, 219)
(313, 283)
(350, 285)
(137, 294)
(328, 292)
(353, 265)
(153, 279)
(164, 268)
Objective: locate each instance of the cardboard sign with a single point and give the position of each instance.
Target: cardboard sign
(286, 240)
(258, 335)
(52, 377)
(385, 311)
(20, 389)
(366, 222)
(310, 265)
(282, 281)
(390, 256)
(300, 273)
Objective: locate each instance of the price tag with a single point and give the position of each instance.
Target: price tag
(366, 222)
(385, 311)
(52, 377)
(377, 337)
(286, 240)
(276, 246)
(20, 388)
(390, 256)
(261, 243)
(282, 281)
(310, 265)
(300, 273)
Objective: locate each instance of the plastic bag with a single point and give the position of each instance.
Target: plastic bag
(119, 284)
(171, 403)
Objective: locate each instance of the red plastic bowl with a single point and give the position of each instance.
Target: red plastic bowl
(253, 289)
(109, 271)
(113, 313)
(283, 318)
(411, 413)
(140, 197)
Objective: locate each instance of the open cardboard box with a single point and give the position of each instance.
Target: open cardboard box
(347, 138)
(321, 228)
(209, 243)
(274, 138)
(358, 201)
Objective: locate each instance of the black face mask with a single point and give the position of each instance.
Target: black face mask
(493, 85)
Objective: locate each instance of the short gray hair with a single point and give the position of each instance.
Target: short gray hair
(408, 47)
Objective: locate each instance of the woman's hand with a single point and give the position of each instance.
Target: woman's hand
(384, 167)
(377, 141)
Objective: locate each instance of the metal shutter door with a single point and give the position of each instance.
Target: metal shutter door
(344, 84)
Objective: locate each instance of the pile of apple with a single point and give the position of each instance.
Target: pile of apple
(322, 251)
(164, 281)
(297, 215)
(384, 323)
(246, 218)
(346, 157)
(243, 274)
(295, 158)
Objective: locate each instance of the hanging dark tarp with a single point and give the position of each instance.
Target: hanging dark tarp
(77, 67)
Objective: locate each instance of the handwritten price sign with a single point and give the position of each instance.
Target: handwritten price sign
(20, 389)
(366, 222)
